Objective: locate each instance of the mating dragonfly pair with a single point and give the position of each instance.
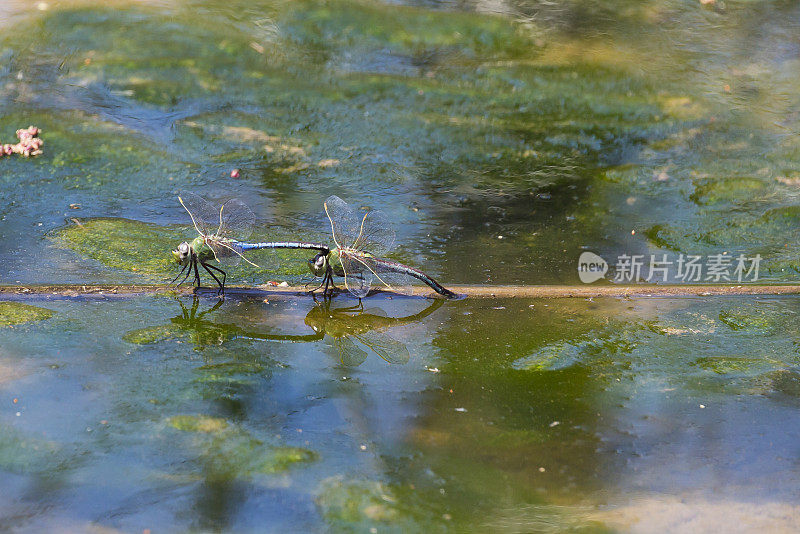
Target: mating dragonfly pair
(360, 241)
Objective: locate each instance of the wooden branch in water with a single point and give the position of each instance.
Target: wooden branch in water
(84, 291)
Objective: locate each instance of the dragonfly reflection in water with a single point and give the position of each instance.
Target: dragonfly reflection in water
(360, 241)
(222, 234)
(347, 327)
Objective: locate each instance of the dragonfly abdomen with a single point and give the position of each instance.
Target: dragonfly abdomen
(395, 267)
(284, 244)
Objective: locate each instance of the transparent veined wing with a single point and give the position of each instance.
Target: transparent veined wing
(200, 211)
(235, 220)
(347, 352)
(368, 231)
(390, 280)
(221, 226)
(231, 219)
(362, 273)
(358, 275)
(389, 349)
(341, 217)
(375, 233)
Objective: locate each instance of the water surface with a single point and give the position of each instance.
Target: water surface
(503, 139)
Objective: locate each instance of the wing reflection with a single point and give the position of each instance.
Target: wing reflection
(347, 328)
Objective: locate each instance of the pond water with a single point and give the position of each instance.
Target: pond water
(503, 139)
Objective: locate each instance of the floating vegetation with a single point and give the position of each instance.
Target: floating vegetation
(359, 502)
(109, 241)
(14, 313)
(229, 451)
(198, 423)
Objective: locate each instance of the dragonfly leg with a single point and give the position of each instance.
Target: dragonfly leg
(316, 288)
(221, 289)
(179, 275)
(187, 275)
(196, 272)
(330, 287)
(224, 276)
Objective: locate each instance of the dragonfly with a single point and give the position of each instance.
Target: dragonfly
(361, 241)
(222, 234)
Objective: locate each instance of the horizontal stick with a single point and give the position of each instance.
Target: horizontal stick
(67, 291)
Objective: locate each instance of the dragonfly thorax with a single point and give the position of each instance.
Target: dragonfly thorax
(204, 252)
(183, 253)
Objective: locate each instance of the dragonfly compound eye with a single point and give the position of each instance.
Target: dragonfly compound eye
(317, 264)
(182, 253)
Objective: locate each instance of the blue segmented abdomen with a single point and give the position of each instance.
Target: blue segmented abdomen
(282, 244)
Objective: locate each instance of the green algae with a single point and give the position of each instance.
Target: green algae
(282, 459)
(425, 35)
(359, 504)
(14, 313)
(21, 453)
(757, 318)
(144, 248)
(737, 365)
(198, 423)
(418, 39)
(552, 357)
(123, 244)
(90, 154)
(227, 451)
(152, 334)
(230, 372)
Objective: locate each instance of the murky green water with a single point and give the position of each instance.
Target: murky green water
(517, 415)
(503, 138)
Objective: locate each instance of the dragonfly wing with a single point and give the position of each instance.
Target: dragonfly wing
(375, 234)
(358, 276)
(343, 221)
(369, 231)
(363, 272)
(392, 281)
(348, 352)
(234, 220)
(389, 349)
(201, 212)
(225, 251)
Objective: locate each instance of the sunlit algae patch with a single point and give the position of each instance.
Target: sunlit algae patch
(12, 313)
